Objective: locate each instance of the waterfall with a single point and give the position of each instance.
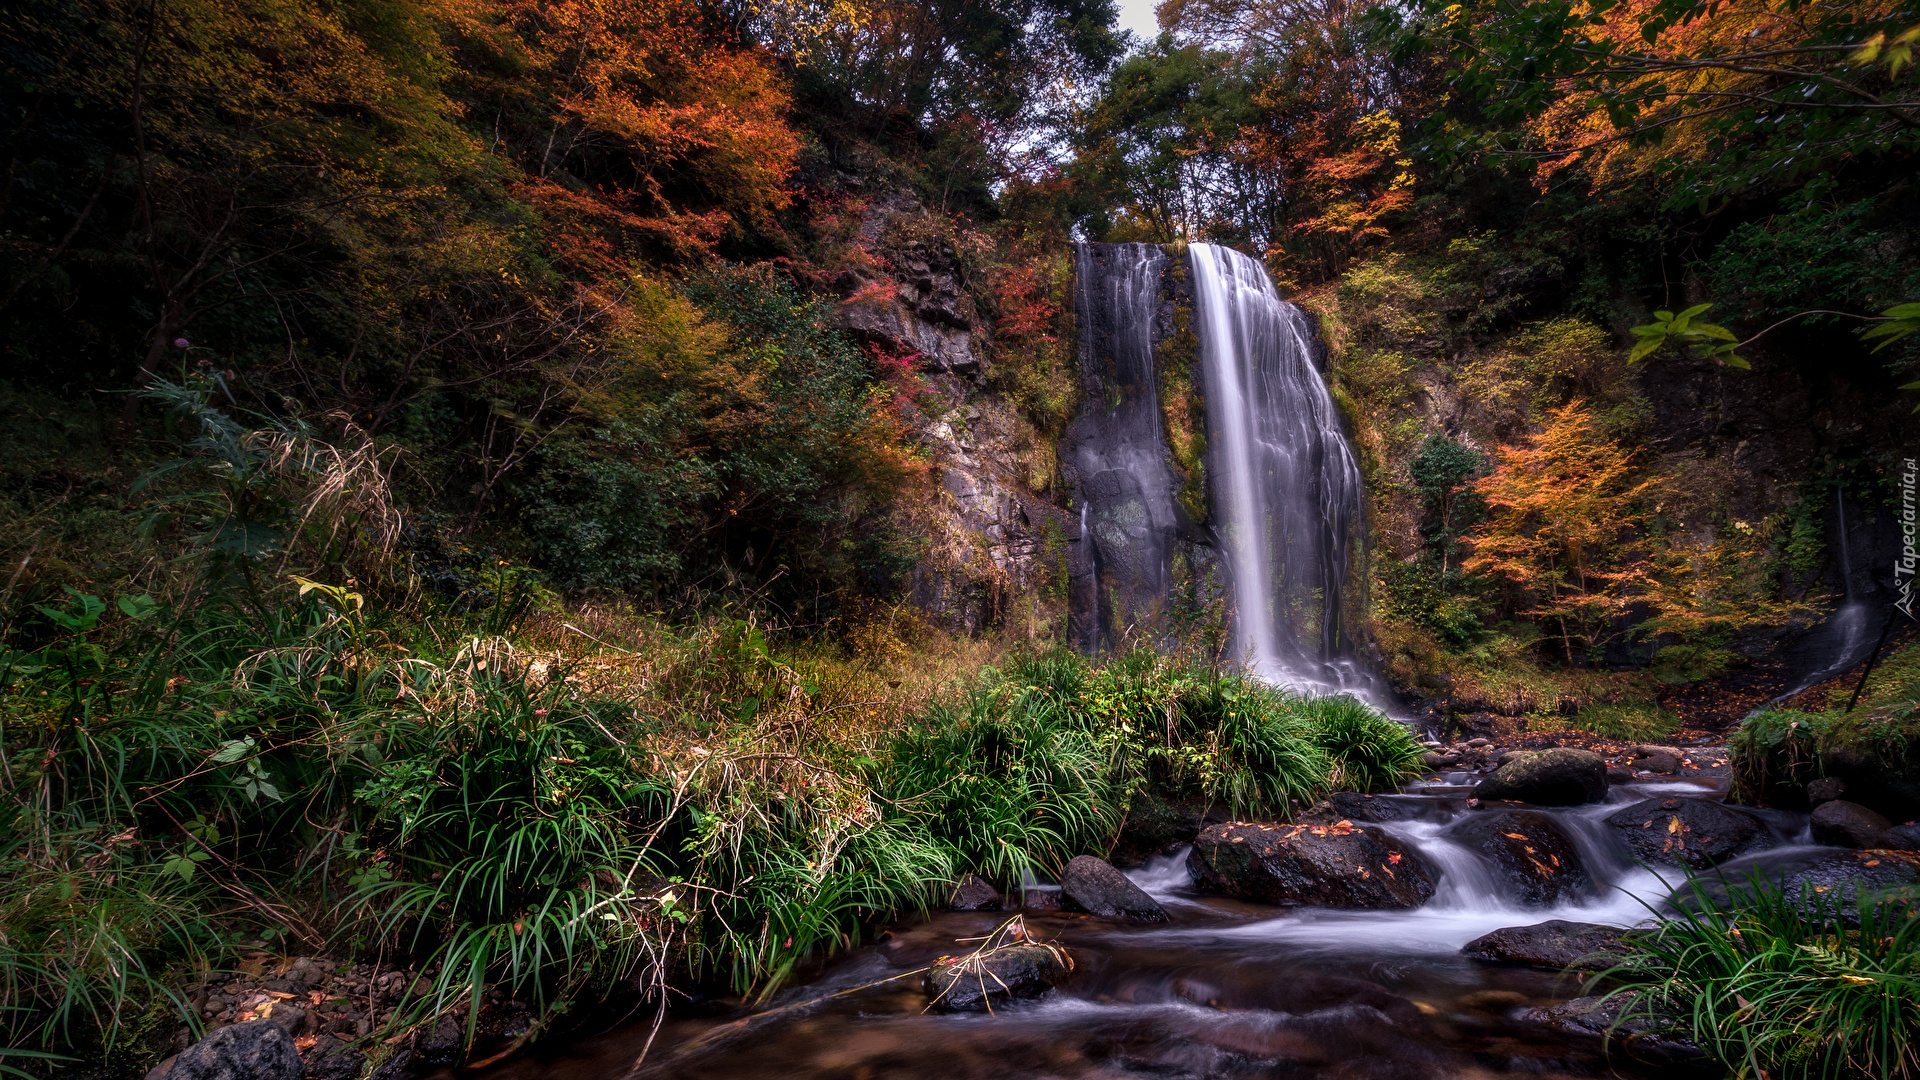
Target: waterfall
(1117, 449)
(1849, 635)
(1286, 490)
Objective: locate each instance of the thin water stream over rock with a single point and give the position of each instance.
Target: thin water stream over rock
(1223, 989)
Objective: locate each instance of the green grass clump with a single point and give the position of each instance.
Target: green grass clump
(1370, 752)
(1786, 987)
(1628, 721)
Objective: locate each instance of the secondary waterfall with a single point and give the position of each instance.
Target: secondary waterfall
(1286, 490)
(1117, 450)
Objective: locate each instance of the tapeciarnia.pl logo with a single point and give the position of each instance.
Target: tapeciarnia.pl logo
(1903, 567)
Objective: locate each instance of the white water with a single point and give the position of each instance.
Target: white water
(1851, 628)
(1286, 488)
(1470, 899)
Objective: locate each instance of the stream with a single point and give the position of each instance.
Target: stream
(1225, 989)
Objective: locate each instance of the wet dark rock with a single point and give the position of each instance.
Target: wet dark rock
(1653, 1039)
(1341, 865)
(1562, 776)
(1554, 945)
(1901, 838)
(443, 1045)
(1358, 807)
(974, 893)
(1657, 759)
(1619, 776)
(1092, 885)
(255, 1050)
(1825, 789)
(971, 984)
(1437, 760)
(329, 1059)
(1707, 832)
(1155, 826)
(1845, 824)
(1530, 852)
(1822, 880)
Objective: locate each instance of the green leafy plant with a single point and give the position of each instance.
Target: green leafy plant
(1684, 331)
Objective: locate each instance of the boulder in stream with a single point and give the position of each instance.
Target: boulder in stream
(974, 893)
(977, 983)
(1901, 838)
(1831, 880)
(1341, 865)
(1531, 854)
(1554, 945)
(1358, 807)
(1846, 824)
(1697, 833)
(1562, 776)
(1092, 885)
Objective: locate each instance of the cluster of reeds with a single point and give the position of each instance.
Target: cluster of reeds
(1820, 983)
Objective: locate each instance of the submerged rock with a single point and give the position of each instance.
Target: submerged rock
(976, 983)
(255, 1050)
(1342, 865)
(1846, 824)
(1554, 945)
(1697, 833)
(1562, 776)
(1530, 852)
(1094, 886)
(1358, 807)
(1618, 1021)
(974, 893)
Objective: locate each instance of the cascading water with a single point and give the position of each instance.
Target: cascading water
(1287, 492)
(1117, 449)
(1849, 635)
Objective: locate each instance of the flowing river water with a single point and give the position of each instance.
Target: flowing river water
(1225, 989)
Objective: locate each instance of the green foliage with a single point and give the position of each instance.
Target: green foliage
(1371, 752)
(1441, 471)
(1773, 754)
(1413, 594)
(1680, 665)
(1695, 338)
(1819, 255)
(1628, 721)
(1770, 984)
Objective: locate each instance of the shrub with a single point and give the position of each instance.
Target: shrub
(1370, 752)
(1783, 986)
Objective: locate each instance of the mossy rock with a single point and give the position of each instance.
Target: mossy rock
(1562, 776)
(1876, 752)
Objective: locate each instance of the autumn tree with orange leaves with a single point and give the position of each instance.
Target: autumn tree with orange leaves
(1566, 529)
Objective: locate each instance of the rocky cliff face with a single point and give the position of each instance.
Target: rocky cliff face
(998, 548)
(1105, 546)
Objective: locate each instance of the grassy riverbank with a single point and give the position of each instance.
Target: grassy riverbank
(581, 799)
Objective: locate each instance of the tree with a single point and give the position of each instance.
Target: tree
(1567, 528)
(1441, 471)
(1711, 94)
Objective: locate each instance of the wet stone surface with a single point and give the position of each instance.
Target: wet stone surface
(1691, 832)
(1342, 865)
